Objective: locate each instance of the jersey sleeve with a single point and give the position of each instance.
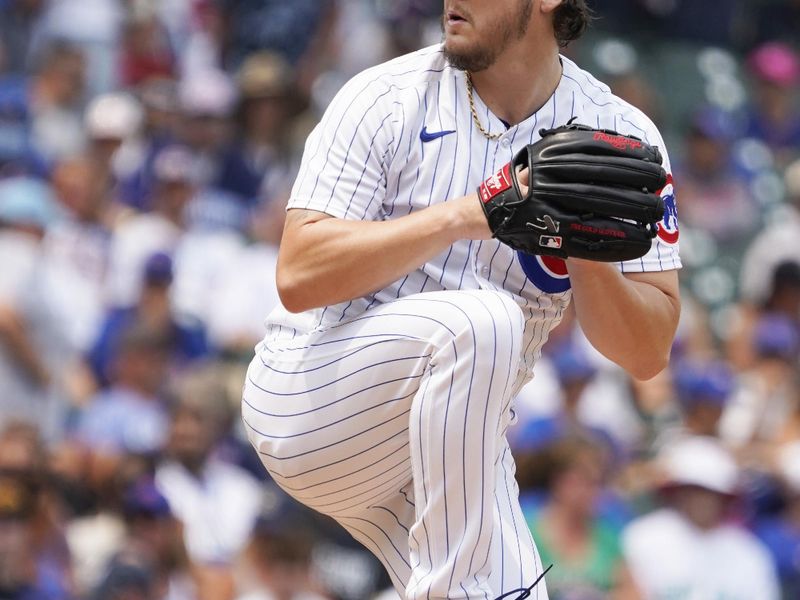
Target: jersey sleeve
(343, 170)
(664, 253)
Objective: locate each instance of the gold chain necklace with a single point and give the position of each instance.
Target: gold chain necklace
(486, 134)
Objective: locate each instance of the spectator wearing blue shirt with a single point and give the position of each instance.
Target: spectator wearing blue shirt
(185, 338)
(129, 416)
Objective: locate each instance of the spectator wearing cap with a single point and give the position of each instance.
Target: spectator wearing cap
(208, 100)
(715, 195)
(35, 353)
(774, 118)
(185, 338)
(689, 548)
(153, 548)
(702, 388)
(110, 120)
(217, 502)
(766, 398)
(265, 92)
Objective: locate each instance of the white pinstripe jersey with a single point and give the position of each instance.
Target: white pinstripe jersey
(399, 137)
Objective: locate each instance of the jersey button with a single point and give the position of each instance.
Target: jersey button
(505, 142)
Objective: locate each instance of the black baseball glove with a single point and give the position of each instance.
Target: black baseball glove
(591, 194)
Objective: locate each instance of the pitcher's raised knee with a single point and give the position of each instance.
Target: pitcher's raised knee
(487, 322)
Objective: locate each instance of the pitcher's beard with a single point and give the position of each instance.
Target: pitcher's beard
(483, 55)
(473, 60)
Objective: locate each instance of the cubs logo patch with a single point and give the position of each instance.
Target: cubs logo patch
(547, 273)
(668, 228)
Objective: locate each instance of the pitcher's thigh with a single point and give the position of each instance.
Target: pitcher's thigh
(328, 412)
(332, 429)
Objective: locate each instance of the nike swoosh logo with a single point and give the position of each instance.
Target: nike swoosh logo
(426, 136)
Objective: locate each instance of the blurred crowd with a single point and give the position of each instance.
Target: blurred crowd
(147, 150)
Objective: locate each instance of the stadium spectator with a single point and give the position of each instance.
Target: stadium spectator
(207, 101)
(265, 92)
(770, 272)
(217, 502)
(689, 548)
(277, 561)
(93, 27)
(574, 373)
(112, 121)
(767, 395)
(76, 248)
(129, 416)
(715, 195)
(34, 350)
(160, 230)
(198, 232)
(702, 388)
(145, 52)
(184, 338)
(570, 530)
(774, 118)
(782, 298)
(134, 170)
(55, 97)
(153, 550)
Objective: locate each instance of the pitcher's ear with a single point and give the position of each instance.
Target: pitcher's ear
(548, 6)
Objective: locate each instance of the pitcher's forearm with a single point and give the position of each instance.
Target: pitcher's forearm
(324, 260)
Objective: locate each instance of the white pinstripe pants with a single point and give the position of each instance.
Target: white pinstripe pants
(393, 423)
